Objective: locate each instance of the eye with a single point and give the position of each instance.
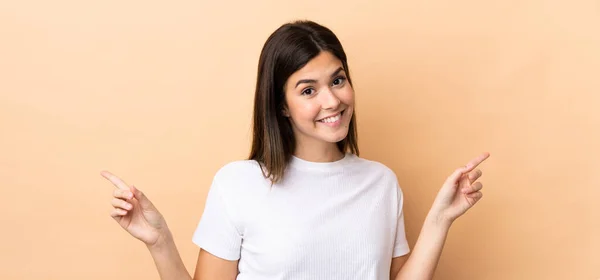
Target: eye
(308, 91)
(339, 81)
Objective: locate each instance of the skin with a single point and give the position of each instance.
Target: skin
(317, 90)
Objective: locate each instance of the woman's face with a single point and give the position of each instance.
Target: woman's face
(319, 101)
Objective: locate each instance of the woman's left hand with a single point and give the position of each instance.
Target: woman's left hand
(460, 192)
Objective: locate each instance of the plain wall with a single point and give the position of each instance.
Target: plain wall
(160, 93)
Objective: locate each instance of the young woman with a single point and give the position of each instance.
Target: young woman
(304, 205)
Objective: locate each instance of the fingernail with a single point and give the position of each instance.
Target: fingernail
(129, 206)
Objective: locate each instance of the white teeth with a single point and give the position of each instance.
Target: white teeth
(332, 119)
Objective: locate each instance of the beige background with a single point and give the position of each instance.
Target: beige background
(161, 94)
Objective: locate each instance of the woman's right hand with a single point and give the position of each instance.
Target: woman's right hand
(135, 212)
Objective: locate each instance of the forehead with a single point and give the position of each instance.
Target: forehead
(321, 66)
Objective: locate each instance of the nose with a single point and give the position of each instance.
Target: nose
(329, 99)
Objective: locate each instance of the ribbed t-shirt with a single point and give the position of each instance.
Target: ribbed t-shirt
(324, 220)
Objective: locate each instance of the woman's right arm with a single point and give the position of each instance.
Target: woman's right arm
(208, 267)
(167, 259)
(137, 215)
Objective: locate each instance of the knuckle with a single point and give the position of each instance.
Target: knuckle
(117, 202)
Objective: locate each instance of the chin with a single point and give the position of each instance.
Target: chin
(334, 138)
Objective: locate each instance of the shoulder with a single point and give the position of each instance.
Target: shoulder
(382, 176)
(375, 168)
(238, 178)
(379, 172)
(238, 169)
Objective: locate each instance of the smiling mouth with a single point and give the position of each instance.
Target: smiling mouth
(333, 119)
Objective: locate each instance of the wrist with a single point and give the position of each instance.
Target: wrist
(164, 241)
(438, 219)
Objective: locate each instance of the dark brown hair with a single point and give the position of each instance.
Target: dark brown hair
(287, 50)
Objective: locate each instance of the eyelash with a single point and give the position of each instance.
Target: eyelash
(341, 78)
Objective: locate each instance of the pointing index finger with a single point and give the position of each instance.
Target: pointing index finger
(475, 162)
(115, 180)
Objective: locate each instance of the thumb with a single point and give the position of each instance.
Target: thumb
(141, 197)
(453, 178)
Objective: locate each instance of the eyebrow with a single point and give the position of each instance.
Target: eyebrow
(308, 81)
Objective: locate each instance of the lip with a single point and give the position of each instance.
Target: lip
(332, 115)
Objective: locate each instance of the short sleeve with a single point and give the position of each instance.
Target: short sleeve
(401, 247)
(216, 232)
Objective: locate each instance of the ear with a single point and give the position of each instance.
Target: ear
(285, 112)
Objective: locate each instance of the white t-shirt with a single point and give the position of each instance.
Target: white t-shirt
(333, 220)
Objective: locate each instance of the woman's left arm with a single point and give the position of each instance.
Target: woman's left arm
(458, 194)
(397, 264)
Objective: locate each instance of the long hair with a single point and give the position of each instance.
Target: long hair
(287, 50)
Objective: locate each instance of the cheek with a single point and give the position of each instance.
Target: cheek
(346, 95)
(304, 111)
(310, 111)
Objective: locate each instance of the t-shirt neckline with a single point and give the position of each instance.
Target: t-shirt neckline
(299, 163)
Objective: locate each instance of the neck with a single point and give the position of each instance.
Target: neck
(327, 152)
